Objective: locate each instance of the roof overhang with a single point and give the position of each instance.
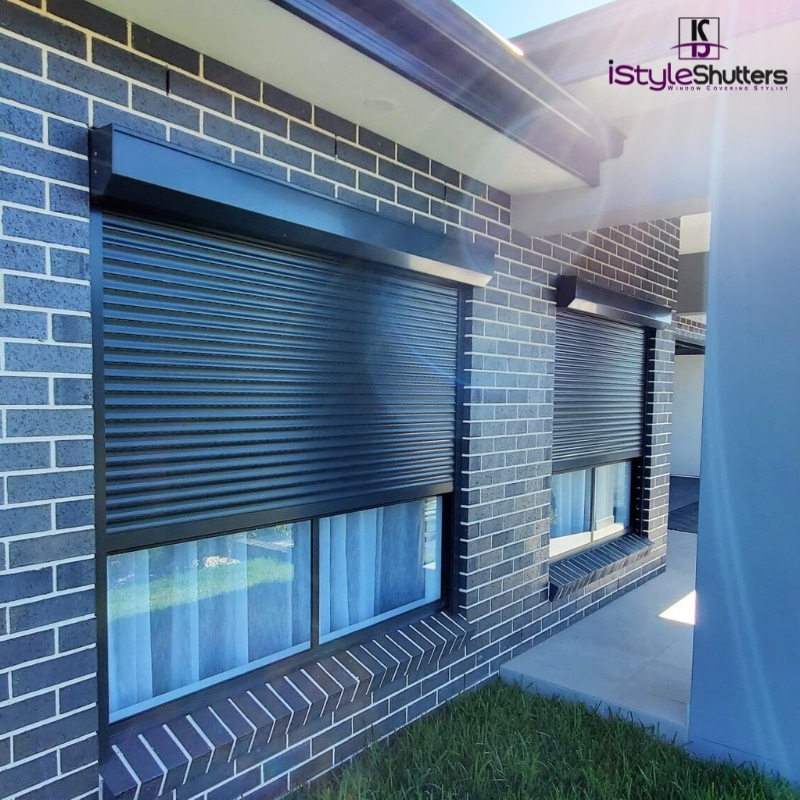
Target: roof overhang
(668, 163)
(453, 90)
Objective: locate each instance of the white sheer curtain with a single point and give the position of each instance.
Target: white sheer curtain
(373, 564)
(182, 616)
(572, 502)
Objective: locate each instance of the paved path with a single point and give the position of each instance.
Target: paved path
(625, 657)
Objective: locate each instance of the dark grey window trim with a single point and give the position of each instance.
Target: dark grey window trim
(132, 169)
(580, 295)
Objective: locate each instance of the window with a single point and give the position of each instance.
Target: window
(279, 433)
(589, 505)
(598, 424)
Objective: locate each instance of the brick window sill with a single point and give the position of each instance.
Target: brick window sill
(159, 760)
(574, 572)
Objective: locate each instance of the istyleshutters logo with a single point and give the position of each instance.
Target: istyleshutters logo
(699, 41)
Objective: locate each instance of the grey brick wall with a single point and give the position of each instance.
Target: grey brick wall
(65, 66)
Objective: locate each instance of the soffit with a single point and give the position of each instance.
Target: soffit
(266, 41)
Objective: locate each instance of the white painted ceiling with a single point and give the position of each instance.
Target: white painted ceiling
(263, 40)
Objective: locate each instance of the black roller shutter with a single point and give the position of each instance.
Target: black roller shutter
(599, 391)
(241, 379)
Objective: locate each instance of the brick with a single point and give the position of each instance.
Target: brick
(53, 734)
(334, 124)
(262, 166)
(308, 137)
(374, 141)
(24, 455)
(165, 49)
(193, 744)
(80, 754)
(394, 172)
(473, 186)
(260, 117)
(356, 156)
(90, 16)
(75, 453)
(41, 29)
(69, 264)
(287, 153)
(317, 185)
(19, 521)
(37, 94)
(117, 780)
(21, 122)
(50, 485)
(78, 784)
(165, 108)
(362, 201)
(46, 293)
(288, 103)
(47, 163)
(413, 200)
(72, 328)
(429, 186)
(104, 114)
(54, 671)
(78, 634)
(71, 391)
(67, 200)
(334, 170)
(199, 92)
(49, 422)
(5, 752)
(78, 695)
(17, 650)
(200, 145)
(48, 612)
(21, 357)
(20, 55)
(224, 75)
(500, 198)
(75, 575)
(20, 777)
(129, 64)
(170, 756)
(413, 159)
(22, 190)
(17, 324)
(74, 514)
(45, 227)
(23, 585)
(231, 132)
(237, 787)
(87, 79)
(376, 186)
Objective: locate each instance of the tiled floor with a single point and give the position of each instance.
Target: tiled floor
(626, 657)
(684, 494)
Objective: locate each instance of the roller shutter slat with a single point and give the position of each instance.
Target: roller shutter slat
(240, 378)
(599, 389)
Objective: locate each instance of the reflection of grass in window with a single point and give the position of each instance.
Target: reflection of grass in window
(218, 576)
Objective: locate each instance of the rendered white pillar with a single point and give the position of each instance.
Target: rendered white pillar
(745, 698)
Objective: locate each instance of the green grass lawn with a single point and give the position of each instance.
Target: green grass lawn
(502, 743)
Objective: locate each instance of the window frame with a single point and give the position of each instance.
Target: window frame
(109, 731)
(634, 526)
(579, 296)
(133, 175)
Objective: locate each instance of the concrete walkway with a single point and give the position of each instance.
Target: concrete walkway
(626, 658)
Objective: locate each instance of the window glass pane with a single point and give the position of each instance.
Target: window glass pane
(186, 615)
(571, 503)
(612, 497)
(378, 563)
